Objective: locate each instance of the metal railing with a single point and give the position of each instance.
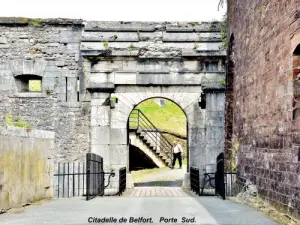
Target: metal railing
(69, 180)
(195, 180)
(159, 143)
(81, 178)
(231, 183)
(122, 180)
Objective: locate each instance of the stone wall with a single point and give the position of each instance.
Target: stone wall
(25, 168)
(82, 63)
(264, 35)
(48, 49)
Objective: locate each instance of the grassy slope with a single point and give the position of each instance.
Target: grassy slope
(170, 117)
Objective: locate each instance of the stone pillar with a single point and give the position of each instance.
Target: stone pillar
(100, 127)
(214, 127)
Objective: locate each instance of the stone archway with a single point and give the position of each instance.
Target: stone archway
(165, 132)
(205, 126)
(183, 64)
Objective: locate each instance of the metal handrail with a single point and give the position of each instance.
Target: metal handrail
(142, 123)
(152, 125)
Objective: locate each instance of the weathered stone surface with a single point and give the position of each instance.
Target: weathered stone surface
(261, 106)
(82, 64)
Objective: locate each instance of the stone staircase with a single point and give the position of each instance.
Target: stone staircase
(155, 146)
(159, 148)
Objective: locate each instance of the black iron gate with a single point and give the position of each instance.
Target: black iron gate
(94, 176)
(81, 178)
(219, 177)
(215, 183)
(122, 180)
(195, 180)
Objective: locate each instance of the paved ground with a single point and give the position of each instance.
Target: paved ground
(203, 210)
(159, 177)
(155, 192)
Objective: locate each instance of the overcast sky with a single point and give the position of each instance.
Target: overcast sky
(115, 10)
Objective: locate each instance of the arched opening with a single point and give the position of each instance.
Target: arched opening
(154, 126)
(296, 78)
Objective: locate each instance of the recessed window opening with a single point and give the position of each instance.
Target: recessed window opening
(296, 63)
(29, 83)
(296, 76)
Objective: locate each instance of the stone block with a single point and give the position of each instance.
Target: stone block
(52, 74)
(214, 132)
(100, 115)
(150, 66)
(157, 79)
(214, 118)
(119, 154)
(215, 101)
(103, 151)
(16, 66)
(72, 89)
(49, 83)
(118, 136)
(189, 78)
(101, 77)
(129, 65)
(7, 81)
(197, 136)
(100, 135)
(125, 78)
(39, 67)
(110, 36)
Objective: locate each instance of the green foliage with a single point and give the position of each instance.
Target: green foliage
(196, 46)
(105, 45)
(21, 123)
(131, 47)
(223, 82)
(36, 22)
(194, 23)
(18, 123)
(115, 36)
(9, 119)
(113, 98)
(48, 91)
(169, 118)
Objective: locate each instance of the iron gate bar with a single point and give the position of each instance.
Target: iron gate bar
(122, 180)
(219, 177)
(195, 180)
(210, 179)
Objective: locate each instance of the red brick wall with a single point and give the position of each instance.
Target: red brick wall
(266, 33)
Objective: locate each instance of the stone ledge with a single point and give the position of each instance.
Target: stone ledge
(23, 132)
(104, 87)
(213, 87)
(28, 95)
(11, 21)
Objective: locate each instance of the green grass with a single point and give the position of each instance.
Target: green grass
(168, 118)
(35, 85)
(184, 162)
(142, 175)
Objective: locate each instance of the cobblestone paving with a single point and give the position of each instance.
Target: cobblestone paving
(155, 192)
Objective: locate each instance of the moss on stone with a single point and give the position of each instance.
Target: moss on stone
(36, 22)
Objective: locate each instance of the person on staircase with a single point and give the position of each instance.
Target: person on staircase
(177, 154)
